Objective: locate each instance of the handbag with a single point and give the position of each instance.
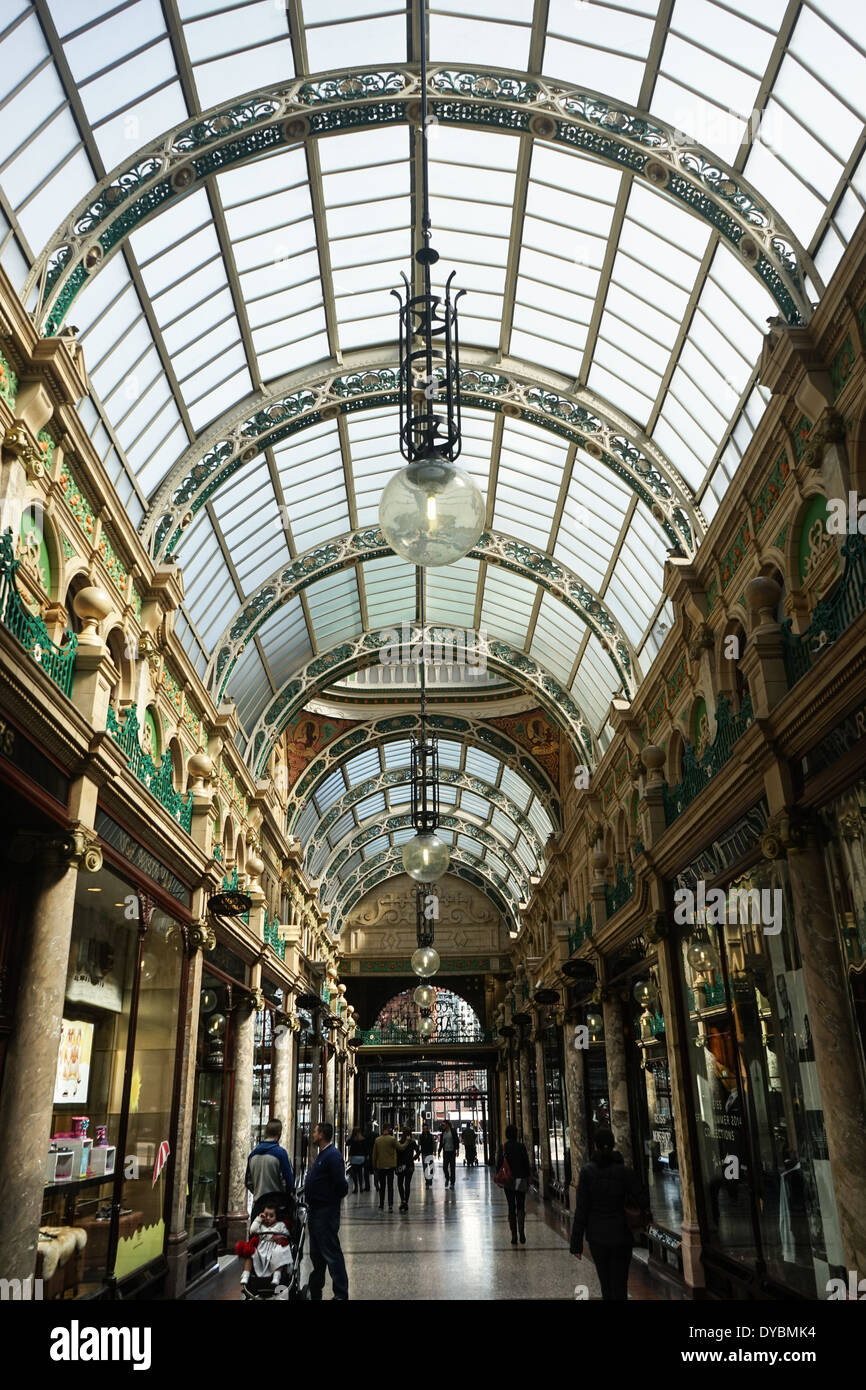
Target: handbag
(504, 1177)
(635, 1217)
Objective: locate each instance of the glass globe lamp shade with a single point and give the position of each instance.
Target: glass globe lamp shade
(595, 1023)
(431, 512)
(646, 994)
(424, 996)
(425, 962)
(426, 1026)
(426, 857)
(701, 956)
(216, 1024)
(208, 1001)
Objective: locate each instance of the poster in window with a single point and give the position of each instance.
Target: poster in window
(73, 1062)
(97, 965)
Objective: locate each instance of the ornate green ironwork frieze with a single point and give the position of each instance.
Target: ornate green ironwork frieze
(287, 113)
(346, 550)
(382, 730)
(364, 649)
(582, 418)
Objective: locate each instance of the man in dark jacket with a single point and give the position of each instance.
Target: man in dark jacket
(324, 1190)
(604, 1186)
(269, 1171)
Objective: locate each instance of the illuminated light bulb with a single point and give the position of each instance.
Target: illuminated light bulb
(426, 857)
(426, 1027)
(431, 512)
(424, 996)
(425, 962)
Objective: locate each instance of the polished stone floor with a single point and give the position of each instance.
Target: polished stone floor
(452, 1245)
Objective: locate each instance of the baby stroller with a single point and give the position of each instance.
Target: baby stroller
(470, 1149)
(261, 1288)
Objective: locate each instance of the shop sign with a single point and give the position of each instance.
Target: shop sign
(400, 965)
(728, 849)
(16, 749)
(836, 744)
(141, 858)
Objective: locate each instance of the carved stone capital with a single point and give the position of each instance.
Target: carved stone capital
(656, 928)
(77, 847)
(18, 442)
(201, 937)
(786, 833)
(702, 640)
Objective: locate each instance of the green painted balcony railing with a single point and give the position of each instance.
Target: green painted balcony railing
(403, 1037)
(158, 780)
(831, 617)
(582, 931)
(30, 631)
(698, 772)
(271, 937)
(617, 894)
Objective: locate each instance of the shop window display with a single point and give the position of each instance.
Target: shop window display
(211, 1110)
(653, 1111)
(263, 1066)
(760, 1124)
(556, 1118)
(114, 1086)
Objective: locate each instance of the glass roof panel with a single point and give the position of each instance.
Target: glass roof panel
(286, 263)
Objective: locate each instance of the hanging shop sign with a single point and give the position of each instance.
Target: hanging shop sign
(17, 750)
(731, 847)
(141, 858)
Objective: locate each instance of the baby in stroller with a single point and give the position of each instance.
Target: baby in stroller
(265, 1255)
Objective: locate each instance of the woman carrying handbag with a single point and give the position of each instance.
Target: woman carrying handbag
(513, 1171)
(610, 1209)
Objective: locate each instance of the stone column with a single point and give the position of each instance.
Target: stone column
(836, 1043)
(243, 1032)
(678, 1050)
(284, 1108)
(27, 1098)
(617, 1084)
(315, 1067)
(178, 1236)
(525, 1098)
(330, 1110)
(543, 1131)
(575, 1092)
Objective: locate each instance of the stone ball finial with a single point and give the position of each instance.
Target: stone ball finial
(599, 860)
(200, 769)
(92, 605)
(254, 866)
(763, 594)
(652, 757)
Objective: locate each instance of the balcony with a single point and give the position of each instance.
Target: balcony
(617, 894)
(831, 617)
(698, 772)
(27, 629)
(404, 1037)
(582, 931)
(158, 780)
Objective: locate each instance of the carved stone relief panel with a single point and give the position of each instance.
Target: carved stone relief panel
(384, 920)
